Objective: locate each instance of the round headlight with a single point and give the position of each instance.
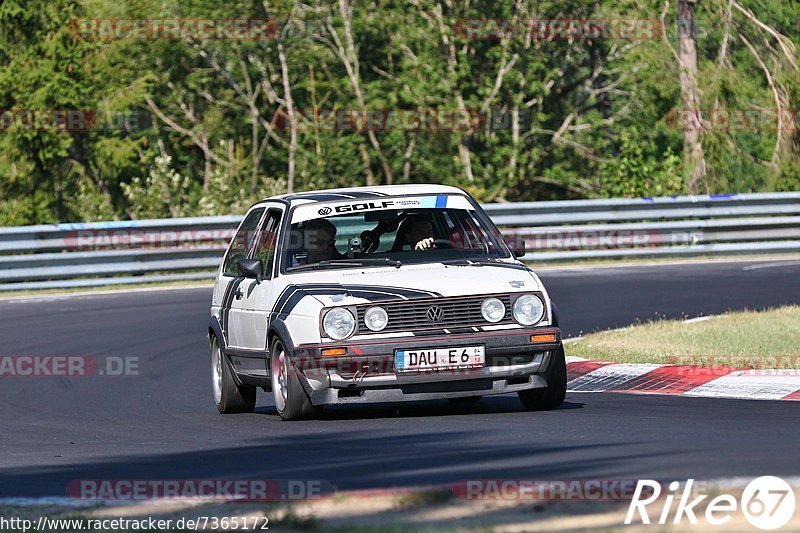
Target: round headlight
(493, 310)
(376, 318)
(339, 323)
(528, 310)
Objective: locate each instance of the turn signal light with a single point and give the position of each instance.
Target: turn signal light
(332, 352)
(543, 337)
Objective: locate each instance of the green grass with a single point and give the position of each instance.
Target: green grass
(425, 497)
(748, 339)
(294, 522)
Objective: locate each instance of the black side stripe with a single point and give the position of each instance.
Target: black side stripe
(400, 291)
(223, 303)
(338, 288)
(298, 295)
(227, 300)
(293, 294)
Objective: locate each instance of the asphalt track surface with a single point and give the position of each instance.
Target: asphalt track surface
(163, 424)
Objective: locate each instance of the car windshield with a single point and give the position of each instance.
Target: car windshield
(387, 233)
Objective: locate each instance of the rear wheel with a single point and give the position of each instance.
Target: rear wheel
(291, 400)
(553, 395)
(228, 395)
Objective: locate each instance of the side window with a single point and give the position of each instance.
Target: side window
(241, 242)
(466, 231)
(268, 241)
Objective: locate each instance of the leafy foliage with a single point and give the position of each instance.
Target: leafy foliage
(552, 118)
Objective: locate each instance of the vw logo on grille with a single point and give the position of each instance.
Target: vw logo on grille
(435, 313)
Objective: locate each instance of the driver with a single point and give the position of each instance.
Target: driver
(417, 232)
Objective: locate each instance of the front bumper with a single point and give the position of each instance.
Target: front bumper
(366, 372)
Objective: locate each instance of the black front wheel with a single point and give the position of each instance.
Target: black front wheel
(553, 395)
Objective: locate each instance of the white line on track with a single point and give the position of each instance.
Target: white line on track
(772, 265)
(701, 319)
(610, 376)
(742, 385)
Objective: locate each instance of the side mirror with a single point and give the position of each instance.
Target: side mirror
(518, 248)
(251, 268)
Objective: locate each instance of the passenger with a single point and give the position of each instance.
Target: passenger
(319, 241)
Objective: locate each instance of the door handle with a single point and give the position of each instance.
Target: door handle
(239, 294)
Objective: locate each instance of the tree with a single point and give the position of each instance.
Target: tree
(690, 93)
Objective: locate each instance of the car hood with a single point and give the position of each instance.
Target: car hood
(437, 279)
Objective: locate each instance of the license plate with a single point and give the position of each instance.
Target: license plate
(439, 358)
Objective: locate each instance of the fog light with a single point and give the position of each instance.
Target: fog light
(376, 318)
(493, 310)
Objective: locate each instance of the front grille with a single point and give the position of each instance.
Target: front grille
(412, 315)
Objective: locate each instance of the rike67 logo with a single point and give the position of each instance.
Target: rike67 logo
(767, 503)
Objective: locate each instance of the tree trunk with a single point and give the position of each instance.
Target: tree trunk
(287, 96)
(690, 95)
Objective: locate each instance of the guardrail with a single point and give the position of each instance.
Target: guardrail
(123, 252)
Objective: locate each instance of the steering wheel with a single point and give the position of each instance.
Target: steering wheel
(443, 243)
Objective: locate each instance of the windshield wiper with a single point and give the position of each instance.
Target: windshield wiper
(370, 261)
(338, 263)
(472, 261)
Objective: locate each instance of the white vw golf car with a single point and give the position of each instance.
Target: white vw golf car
(379, 294)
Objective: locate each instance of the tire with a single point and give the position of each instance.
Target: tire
(228, 395)
(291, 400)
(465, 400)
(553, 395)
